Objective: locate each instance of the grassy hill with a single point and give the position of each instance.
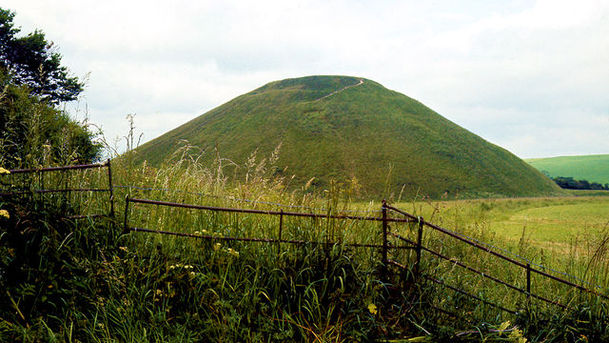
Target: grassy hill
(594, 168)
(346, 128)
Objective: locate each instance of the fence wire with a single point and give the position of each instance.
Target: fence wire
(239, 199)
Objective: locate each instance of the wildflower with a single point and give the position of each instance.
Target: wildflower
(516, 336)
(123, 249)
(4, 171)
(193, 274)
(217, 246)
(159, 292)
(504, 326)
(233, 252)
(4, 213)
(372, 309)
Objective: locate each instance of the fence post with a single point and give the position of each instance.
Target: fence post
(111, 188)
(280, 230)
(384, 251)
(417, 265)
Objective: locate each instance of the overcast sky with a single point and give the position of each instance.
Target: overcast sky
(532, 77)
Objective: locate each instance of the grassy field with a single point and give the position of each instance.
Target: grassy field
(544, 222)
(223, 291)
(594, 168)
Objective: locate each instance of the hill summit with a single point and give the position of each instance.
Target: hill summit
(350, 128)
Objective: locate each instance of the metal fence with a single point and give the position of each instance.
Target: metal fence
(389, 240)
(40, 181)
(383, 249)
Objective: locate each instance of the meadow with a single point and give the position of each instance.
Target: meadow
(189, 289)
(587, 167)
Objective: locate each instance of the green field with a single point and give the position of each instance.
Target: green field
(557, 225)
(594, 168)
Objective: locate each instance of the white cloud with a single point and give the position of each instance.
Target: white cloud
(486, 65)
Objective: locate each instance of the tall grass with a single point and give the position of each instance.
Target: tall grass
(146, 287)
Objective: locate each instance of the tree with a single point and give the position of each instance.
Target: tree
(34, 62)
(34, 131)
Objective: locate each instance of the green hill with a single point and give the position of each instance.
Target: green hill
(594, 168)
(338, 127)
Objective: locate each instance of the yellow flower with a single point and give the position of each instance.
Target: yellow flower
(217, 246)
(504, 326)
(516, 335)
(233, 252)
(4, 213)
(372, 309)
(4, 171)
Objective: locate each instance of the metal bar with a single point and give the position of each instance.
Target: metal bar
(384, 251)
(85, 216)
(276, 213)
(280, 231)
(492, 252)
(449, 233)
(401, 212)
(568, 283)
(255, 239)
(82, 166)
(469, 295)
(71, 190)
(39, 191)
(464, 266)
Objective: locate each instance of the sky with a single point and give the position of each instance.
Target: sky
(529, 76)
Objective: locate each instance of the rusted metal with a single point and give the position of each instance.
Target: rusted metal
(262, 240)
(45, 191)
(490, 277)
(384, 251)
(85, 216)
(275, 213)
(460, 291)
(506, 258)
(406, 214)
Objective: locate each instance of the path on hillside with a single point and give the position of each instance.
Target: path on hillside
(361, 81)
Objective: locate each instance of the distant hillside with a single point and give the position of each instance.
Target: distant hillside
(594, 168)
(338, 127)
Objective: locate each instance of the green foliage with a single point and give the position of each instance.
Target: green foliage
(570, 183)
(146, 287)
(349, 129)
(34, 133)
(593, 168)
(34, 62)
